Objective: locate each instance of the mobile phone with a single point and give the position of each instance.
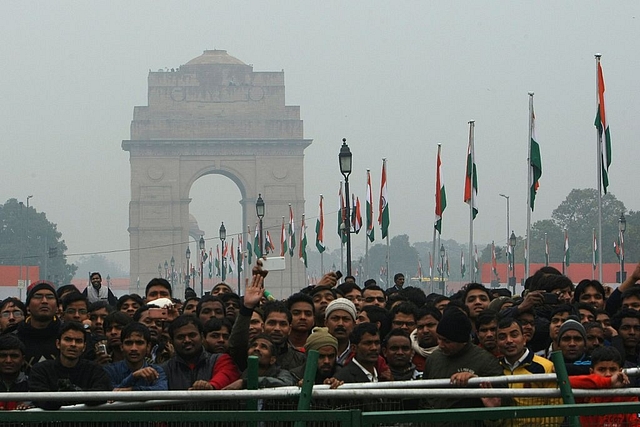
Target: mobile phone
(158, 313)
(275, 263)
(338, 274)
(101, 348)
(550, 298)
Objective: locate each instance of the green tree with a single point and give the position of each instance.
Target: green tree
(28, 238)
(99, 263)
(404, 258)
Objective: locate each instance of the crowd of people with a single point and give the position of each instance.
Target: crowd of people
(70, 340)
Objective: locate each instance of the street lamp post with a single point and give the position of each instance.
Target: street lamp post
(260, 213)
(201, 246)
(223, 237)
(442, 254)
(173, 264)
(345, 159)
(187, 255)
(508, 225)
(27, 242)
(159, 270)
(512, 244)
(622, 227)
(166, 269)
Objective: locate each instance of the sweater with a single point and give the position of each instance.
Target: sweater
(217, 369)
(121, 376)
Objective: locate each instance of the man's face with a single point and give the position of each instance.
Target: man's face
(96, 281)
(113, 334)
(129, 307)
(511, 342)
(71, 345)
(556, 321)
(10, 315)
(442, 305)
(211, 309)
(262, 349)
(528, 322)
(327, 360)
(76, 311)
(572, 345)
(217, 341)
(426, 335)
(157, 291)
(154, 325)
(605, 321)
(321, 300)
(187, 341)
(487, 335)
(629, 331)
(406, 322)
(373, 297)
(221, 289)
(190, 307)
(277, 326)
(363, 317)
(368, 349)
(355, 296)
(97, 320)
(10, 362)
(256, 325)
(302, 316)
(232, 308)
(42, 305)
(399, 281)
(340, 324)
(591, 296)
(606, 369)
(476, 300)
(448, 347)
(631, 302)
(586, 316)
(398, 352)
(595, 339)
(135, 348)
(565, 295)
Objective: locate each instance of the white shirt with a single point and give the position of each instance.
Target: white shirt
(372, 377)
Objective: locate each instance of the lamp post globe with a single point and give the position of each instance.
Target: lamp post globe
(512, 243)
(260, 210)
(186, 277)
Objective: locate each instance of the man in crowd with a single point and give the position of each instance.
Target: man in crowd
(69, 371)
(572, 341)
(326, 345)
(404, 316)
(373, 295)
(627, 323)
(362, 367)
(98, 311)
(352, 292)
(192, 368)
(424, 339)
(396, 349)
(486, 331)
(96, 292)
(209, 307)
(12, 378)
(75, 308)
(477, 298)
(134, 373)
(340, 321)
(302, 318)
(277, 326)
(216, 335)
(321, 296)
(12, 312)
(398, 283)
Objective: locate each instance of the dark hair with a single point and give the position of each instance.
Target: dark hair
(397, 332)
(378, 315)
(267, 338)
(475, 286)
(405, 308)
(345, 288)
(19, 304)
(73, 297)
(532, 283)
(360, 330)
(12, 342)
(98, 305)
(415, 295)
(210, 298)
(124, 298)
(616, 320)
(436, 299)
(485, 317)
(158, 282)
(585, 306)
(397, 276)
(215, 324)
(120, 318)
(583, 285)
(552, 282)
(185, 320)
(506, 322)
(66, 289)
(631, 292)
(605, 354)
(592, 325)
(429, 310)
(372, 288)
(72, 325)
(135, 327)
(275, 307)
(93, 274)
(563, 308)
(393, 298)
(369, 282)
(227, 296)
(300, 297)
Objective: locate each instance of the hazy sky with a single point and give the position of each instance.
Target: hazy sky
(394, 78)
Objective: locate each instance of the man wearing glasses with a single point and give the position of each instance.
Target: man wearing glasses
(12, 312)
(40, 329)
(75, 307)
(373, 295)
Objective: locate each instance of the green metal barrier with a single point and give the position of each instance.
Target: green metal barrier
(563, 384)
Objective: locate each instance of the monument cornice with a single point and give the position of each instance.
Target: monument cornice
(216, 147)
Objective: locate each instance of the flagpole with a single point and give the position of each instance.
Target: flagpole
(434, 228)
(471, 201)
(593, 247)
(529, 184)
(546, 250)
(384, 163)
(599, 153)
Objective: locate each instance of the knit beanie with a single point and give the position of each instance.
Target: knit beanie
(341, 304)
(37, 286)
(570, 325)
(454, 325)
(320, 337)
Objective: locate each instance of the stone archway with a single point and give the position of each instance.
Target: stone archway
(213, 115)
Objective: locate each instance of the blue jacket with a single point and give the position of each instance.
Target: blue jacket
(121, 376)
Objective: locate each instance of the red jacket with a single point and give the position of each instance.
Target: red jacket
(613, 420)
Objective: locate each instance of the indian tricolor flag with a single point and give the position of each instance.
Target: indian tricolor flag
(471, 176)
(602, 125)
(595, 250)
(441, 195)
(369, 208)
(383, 214)
(535, 162)
(283, 239)
(291, 235)
(320, 228)
(566, 248)
(302, 254)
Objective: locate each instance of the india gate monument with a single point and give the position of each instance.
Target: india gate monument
(213, 115)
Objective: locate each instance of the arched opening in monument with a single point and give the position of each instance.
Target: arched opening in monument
(215, 199)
